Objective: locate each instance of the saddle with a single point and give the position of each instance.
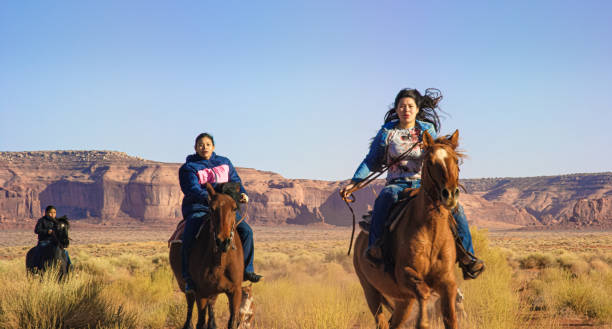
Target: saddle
(397, 210)
(395, 214)
(232, 189)
(177, 236)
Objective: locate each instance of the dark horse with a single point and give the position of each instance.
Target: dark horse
(48, 253)
(216, 263)
(422, 245)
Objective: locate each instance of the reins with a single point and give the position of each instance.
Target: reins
(245, 216)
(350, 198)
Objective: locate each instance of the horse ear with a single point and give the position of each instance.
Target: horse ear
(427, 140)
(211, 191)
(454, 139)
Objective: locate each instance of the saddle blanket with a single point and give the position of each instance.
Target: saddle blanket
(178, 233)
(177, 236)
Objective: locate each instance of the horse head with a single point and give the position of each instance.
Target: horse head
(61, 231)
(223, 210)
(440, 174)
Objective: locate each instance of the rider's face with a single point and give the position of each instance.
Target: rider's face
(205, 147)
(407, 111)
(51, 213)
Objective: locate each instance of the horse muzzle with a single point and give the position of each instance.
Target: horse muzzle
(449, 197)
(225, 244)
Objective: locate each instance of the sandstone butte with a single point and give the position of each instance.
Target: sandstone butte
(112, 187)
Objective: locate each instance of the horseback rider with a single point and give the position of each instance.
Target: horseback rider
(205, 166)
(411, 115)
(45, 228)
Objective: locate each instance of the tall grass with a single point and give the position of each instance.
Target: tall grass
(44, 302)
(308, 284)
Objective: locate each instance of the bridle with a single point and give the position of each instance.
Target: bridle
(224, 244)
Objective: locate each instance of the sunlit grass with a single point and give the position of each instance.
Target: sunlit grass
(309, 283)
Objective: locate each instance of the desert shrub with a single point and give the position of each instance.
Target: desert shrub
(599, 265)
(43, 302)
(587, 295)
(339, 256)
(490, 300)
(537, 260)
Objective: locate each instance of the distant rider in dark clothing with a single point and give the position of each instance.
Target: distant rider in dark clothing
(207, 167)
(45, 227)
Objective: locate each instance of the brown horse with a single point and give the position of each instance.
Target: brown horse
(216, 263)
(422, 245)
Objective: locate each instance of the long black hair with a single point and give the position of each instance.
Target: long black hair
(427, 104)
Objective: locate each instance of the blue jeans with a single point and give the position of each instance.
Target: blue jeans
(388, 197)
(192, 225)
(382, 207)
(463, 229)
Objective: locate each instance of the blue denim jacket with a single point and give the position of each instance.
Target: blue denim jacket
(376, 156)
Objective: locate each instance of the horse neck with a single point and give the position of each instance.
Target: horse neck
(206, 242)
(432, 210)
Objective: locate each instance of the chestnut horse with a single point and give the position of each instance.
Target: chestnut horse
(422, 245)
(216, 263)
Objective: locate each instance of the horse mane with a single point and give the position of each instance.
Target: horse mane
(230, 188)
(445, 140)
(63, 220)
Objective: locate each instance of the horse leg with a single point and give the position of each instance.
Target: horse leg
(448, 296)
(190, 301)
(423, 320)
(210, 307)
(201, 303)
(235, 299)
(401, 313)
(375, 303)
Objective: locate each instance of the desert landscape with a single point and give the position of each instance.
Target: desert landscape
(112, 187)
(122, 279)
(546, 242)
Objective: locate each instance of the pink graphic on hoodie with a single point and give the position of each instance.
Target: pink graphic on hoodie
(219, 174)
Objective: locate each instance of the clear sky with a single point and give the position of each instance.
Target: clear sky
(300, 88)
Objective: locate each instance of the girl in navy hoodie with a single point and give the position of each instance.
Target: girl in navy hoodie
(206, 166)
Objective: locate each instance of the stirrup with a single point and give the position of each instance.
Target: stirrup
(473, 269)
(374, 258)
(252, 276)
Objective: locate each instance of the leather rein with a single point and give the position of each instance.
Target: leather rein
(350, 198)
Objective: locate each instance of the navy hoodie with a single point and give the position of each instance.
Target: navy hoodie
(190, 177)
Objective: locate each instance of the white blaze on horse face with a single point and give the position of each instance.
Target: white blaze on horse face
(440, 155)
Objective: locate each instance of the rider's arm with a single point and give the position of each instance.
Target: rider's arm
(190, 184)
(374, 160)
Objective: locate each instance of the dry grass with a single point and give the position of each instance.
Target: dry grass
(534, 279)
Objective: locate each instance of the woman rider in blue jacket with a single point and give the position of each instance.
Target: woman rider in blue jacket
(411, 115)
(206, 166)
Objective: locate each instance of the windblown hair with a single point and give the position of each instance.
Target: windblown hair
(207, 135)
(427, 104)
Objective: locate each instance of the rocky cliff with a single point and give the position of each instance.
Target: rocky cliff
(112, 186)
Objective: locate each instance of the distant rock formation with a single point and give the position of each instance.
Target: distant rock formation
(113, 186)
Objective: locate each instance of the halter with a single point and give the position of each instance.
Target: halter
(218, 242)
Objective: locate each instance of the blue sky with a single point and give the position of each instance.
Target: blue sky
(299, 88)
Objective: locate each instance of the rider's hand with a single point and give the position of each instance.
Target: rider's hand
(244, 198)
(50, 231)
(346, 191)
